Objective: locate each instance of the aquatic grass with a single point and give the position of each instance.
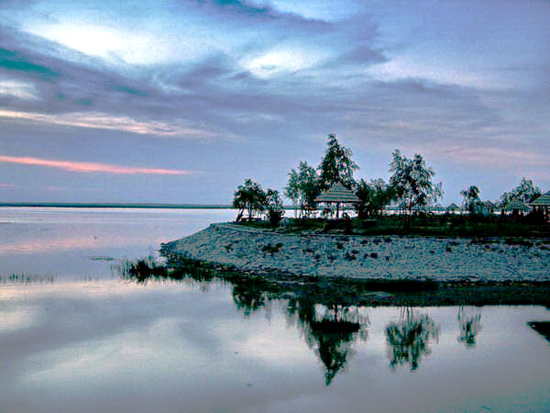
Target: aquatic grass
(28, 279)
(141, 270)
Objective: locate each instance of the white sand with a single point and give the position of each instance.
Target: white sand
(372, 257)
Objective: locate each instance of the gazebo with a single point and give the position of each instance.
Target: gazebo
(453, 208)
(543, 204)
(337, 194)
(517, 207)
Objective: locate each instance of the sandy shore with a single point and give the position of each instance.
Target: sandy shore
(373, 257)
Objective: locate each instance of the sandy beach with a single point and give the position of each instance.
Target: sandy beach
(367, 257)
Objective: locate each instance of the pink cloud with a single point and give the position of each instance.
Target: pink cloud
(91, 167)
(7, 185)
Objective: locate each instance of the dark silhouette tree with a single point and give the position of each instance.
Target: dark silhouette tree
(274, 207)
(250, 197)
(303, 187)
(374, 196)
(525, 192)
(412, 183)
(336, 165)
(471, 197)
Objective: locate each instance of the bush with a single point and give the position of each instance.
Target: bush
(272, 248)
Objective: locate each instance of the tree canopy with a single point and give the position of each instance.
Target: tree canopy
(250, 197)
(374, 196)
(471, 197)
(336, 165)
(274, 207)
(525, 192)
(412, 182)
(303, 187)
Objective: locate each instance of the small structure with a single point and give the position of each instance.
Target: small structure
(517, 207)
(453, 209)
(484, 208)
(337, 194)
(542, 204)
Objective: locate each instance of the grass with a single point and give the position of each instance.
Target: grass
(427, 225)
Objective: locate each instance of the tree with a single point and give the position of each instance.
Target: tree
(337, 165)
(303, 187)
(525, 192)
(471, 197)
(412, 182)
(250, 197)
(274, 207)
(374, 196)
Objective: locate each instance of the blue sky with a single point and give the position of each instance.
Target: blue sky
(180, 101)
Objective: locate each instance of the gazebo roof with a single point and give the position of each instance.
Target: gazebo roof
(517, 204)
(452, 207)
(337, 193)
(542, 201)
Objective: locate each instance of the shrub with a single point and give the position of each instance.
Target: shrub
(272, 248)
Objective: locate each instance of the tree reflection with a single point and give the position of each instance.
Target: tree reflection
(469, 319)
(330, 330)
(409, 338)
(330, 324)
(327, 311)
(249, 295)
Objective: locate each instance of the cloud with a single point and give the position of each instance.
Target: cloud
(91, 167)
(255, 80)
(500, 157)
(105, 121)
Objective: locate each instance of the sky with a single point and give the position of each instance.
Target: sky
(171, 101)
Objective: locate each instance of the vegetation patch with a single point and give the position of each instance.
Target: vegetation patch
(141, 270)
(519, 241)
(269, 248)
(350, 257)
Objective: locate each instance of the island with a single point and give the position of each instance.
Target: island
(389, 242)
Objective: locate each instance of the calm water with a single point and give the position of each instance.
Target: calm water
(74, 337)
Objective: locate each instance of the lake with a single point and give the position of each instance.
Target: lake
(74, 336)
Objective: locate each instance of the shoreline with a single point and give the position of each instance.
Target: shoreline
(265, 252)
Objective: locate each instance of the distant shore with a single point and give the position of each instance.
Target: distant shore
(108, 205)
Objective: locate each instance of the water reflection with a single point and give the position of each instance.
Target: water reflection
(329, 325)
(409, 339)
(469, 319)
(541, 327)
(248, 295)
(330, 330)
